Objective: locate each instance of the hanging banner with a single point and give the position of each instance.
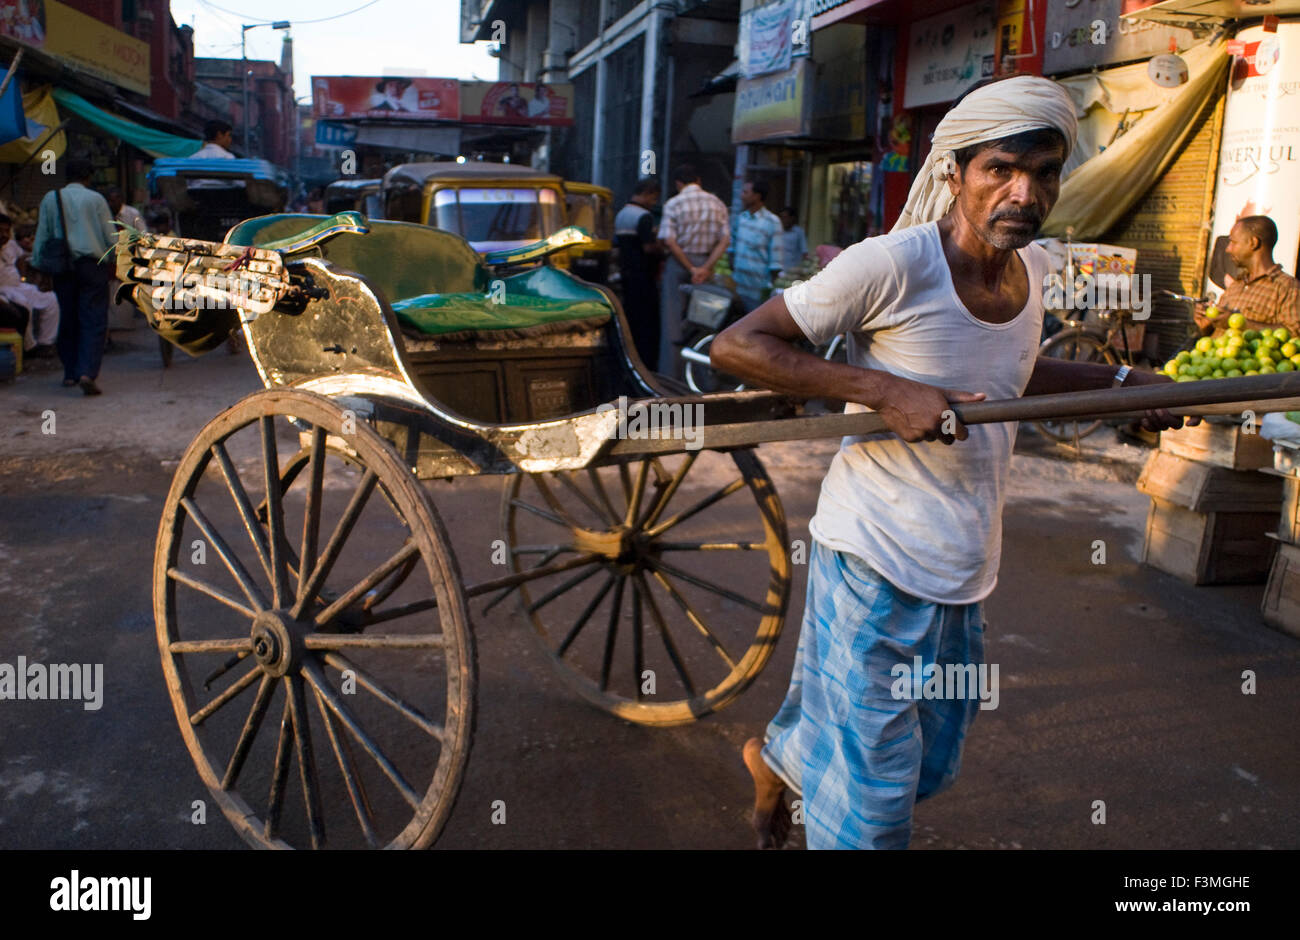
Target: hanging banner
(516, 103)
(948, 53)
(340, 97)
(1259, 158)
(23, 20)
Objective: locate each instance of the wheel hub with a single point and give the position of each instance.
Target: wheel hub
(277, 644)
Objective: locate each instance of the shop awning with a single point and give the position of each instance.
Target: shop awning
(155, 143)
(1212, 12)
(1096, 195)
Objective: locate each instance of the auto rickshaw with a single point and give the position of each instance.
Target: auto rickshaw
(207, 198)
(591, 208)
(359, 195)
(501, 206)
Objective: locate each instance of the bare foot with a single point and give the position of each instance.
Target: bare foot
(771, 819)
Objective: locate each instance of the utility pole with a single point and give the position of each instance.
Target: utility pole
(243, 58)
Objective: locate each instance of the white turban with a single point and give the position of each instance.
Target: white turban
(997, 110)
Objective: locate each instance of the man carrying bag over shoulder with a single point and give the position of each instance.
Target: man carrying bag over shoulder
(74, 233)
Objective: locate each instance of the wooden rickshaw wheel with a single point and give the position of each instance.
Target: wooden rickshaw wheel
(678, 606)
(379, 684)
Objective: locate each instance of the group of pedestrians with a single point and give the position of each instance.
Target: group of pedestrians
(693, 234)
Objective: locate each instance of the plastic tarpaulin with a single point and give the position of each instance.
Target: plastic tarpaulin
(38, 105)
(155, 143)
(1097, 194)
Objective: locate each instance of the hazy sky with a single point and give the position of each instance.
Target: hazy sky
(411, 36)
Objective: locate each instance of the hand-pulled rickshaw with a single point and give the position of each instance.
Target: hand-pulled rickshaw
(312, 619)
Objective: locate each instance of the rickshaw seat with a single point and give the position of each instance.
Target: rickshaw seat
(401, 259)
(537, 301)
(437, 284)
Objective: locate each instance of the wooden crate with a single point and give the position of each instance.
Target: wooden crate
(1208, 547)
(1288, 525)
(1220, 444)
(1205, 488)
(1281, 604)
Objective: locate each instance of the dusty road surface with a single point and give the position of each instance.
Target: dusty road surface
(1117, 684)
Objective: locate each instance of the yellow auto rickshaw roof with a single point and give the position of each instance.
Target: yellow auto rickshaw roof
(500, 174)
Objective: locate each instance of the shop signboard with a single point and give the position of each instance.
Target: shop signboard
(530, 103)
(1084, 33)
(771, 106)
(96, 48)
(393, 98)
(948, 53)
(23, 20)
(1259, 154)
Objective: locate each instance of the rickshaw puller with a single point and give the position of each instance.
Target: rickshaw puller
(946, 308)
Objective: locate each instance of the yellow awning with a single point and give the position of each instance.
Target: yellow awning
(39, 106)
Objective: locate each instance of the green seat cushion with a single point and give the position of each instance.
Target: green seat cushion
(539, 300)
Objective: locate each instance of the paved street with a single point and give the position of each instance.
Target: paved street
(1118, 683)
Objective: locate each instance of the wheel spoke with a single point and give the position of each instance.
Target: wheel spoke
(666, 495)
(335, 544)
(541, 549)
(373, 641)
(733, 486)
(557, 591)
(356, 791)
(237, 645)
(246, 736)
(306, 760)
(694, 618)
(312, 513)
(372, 685)
(245, 506)
(615, 614)
(643, 590)
(215, 593)
(689, 578)
(539, 480)
(532, 574)
(507, 591)
(635, 493)
(567, 480)
(710, 546)
(235, 688)
(232, 562)
(537, 511)
(638, 650)
(275, 512)
(625, 480)
(596, 484)
(354, 593)
(344, 714)
(585, 615)
(415, 607)
(280, 775)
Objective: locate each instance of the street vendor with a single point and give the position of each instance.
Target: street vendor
(946, 308)
(1264, 294)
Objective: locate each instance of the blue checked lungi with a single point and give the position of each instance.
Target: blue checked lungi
(859, 757)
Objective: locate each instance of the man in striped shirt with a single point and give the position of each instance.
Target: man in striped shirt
(694, 230)
(757, 255)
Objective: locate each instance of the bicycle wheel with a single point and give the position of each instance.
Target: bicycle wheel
(703, 378)
(1075, 346)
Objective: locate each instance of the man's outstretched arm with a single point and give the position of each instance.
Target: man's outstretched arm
(759, 348)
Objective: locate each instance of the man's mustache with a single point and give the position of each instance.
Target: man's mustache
(1030, 215)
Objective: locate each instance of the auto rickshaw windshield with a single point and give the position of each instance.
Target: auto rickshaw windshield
(493, 219)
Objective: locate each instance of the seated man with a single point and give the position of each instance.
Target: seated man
(1266, 295)
(42, 324)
